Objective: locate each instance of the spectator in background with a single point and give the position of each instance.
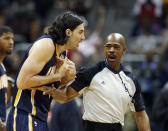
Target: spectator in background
(24, 20)
(43, 7)
(150, 9)
(4, 4)
(146, 42)
(78, 6)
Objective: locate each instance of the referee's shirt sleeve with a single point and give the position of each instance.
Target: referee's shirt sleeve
(83, 78)
(137, 103)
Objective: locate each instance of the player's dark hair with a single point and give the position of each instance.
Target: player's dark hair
(67, 20)
(5, 29)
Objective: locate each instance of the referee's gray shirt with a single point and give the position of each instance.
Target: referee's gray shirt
(106, 93)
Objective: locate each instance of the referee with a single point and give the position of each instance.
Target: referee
(108, 88)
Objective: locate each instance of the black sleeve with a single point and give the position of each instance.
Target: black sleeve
(137, 98)
(84, 77)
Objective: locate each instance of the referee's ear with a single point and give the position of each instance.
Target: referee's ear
(124, 51)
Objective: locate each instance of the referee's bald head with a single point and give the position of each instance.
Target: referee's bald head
(117, 38)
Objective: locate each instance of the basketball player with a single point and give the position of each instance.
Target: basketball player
(30, 106)
(6, 47)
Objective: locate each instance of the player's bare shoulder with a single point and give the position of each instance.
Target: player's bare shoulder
(43, 47)
(44, 44)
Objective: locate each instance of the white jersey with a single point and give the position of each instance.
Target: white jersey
(107, 93)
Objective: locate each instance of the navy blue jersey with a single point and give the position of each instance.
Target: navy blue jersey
(24, 122)
(33, 101)
(3, 84)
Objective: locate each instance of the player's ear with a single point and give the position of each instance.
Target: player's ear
(68, 32)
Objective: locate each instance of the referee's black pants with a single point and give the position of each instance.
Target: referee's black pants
(96, 126)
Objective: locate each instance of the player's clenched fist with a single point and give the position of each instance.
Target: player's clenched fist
(66, 68)
(62, 69)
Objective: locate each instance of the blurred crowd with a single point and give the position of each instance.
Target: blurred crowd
(148, 35)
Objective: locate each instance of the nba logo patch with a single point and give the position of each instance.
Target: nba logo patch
(35, 123)
(103, 83)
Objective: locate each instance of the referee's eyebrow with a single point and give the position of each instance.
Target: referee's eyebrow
(114, 44)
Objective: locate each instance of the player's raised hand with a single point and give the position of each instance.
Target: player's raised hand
(70, 74)
(63, 68)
